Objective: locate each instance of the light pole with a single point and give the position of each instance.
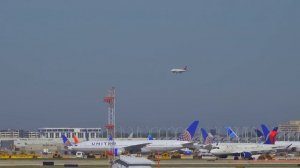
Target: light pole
(159, 133)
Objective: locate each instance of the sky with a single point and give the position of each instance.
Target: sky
(59, 58)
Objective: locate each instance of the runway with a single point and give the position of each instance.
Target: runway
(85, 163)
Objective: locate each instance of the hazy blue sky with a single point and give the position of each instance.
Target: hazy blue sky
(59, 58)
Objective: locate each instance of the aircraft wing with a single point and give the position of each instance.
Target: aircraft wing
(136, 148)
(188, 145)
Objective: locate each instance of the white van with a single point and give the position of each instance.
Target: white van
(80, 155)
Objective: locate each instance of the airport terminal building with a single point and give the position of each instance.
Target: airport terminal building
(291, 126)
(18, 133)
(82, 133)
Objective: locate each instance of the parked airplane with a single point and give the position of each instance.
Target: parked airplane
(245, 150)
(179, 70)
(102, 146)
(75, 139)
(206, 144)
(185, 140)
(294, 145)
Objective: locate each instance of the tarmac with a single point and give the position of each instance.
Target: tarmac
(85, 163)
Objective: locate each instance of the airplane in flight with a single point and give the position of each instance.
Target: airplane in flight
(179, 70)
(132, 146)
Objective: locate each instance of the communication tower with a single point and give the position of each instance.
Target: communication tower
(110, 100)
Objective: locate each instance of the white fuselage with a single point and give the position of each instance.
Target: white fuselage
(150, 145)
(294, 145)
(236, 148)
(178, 70)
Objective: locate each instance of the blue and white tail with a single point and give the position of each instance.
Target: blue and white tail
(265, 130)
(110, 138)
(149, 137)
(66, 141)
(231, 133)
(188, 134)
(207, 138)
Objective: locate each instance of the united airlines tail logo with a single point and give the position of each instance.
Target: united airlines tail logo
(209, 140)
(189, 133)
(66, 141)
(185, 136)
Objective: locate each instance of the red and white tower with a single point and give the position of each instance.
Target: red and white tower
(110, 99)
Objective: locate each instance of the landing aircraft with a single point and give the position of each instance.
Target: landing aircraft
(179, 70)
(144, 146)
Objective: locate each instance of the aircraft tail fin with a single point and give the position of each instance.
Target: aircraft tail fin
(130, 135)
(87, 138)
(185, 68)
(76, 140)
(110, 138)
(204, 134)
(271, 138)
(265, 130)
(188, 134)
(150, 137)
(66, 141)
(231, 133)
(207, 137)
(259, 133)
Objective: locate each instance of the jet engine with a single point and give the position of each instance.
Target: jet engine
(116, 152)
(246, 155)
(186, 151)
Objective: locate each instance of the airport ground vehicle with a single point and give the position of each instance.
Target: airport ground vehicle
(83, 155)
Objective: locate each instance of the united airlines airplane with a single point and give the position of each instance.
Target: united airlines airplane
(132, 146)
